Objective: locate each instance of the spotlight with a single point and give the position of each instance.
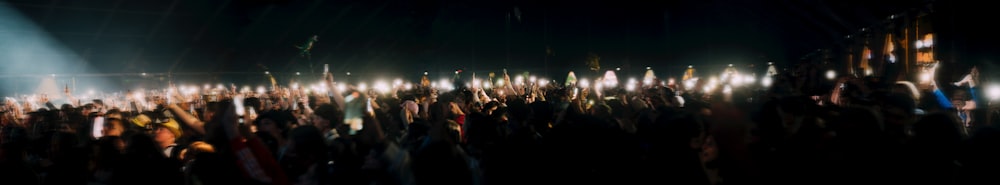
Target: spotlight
(994, 92)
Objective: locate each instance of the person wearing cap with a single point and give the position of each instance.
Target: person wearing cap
(141, 121)
(166, 135)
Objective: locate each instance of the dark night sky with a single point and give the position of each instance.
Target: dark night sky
(407, 37)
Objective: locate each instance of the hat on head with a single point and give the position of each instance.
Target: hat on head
(141, 120)
(173, 126)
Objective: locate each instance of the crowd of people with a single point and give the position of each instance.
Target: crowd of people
(860, 130)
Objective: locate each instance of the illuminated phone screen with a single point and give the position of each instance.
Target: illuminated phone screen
(238, 102)
(98, 127)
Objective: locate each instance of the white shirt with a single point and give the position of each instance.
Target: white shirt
(168, 150)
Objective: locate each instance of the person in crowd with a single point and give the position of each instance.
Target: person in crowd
(106, 158)
(166, 135)
(306, 160)
(798, 130)
(113, 127)
(962, 102)
(144, 162)
(15, 167)
(193, 158)
(272, 130)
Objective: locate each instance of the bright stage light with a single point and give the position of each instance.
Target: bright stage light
(690, 83)
(766, 82)
(737, 80)
(994, 92)
(362, 87)
(749, 79)
(29, 50)
(382, 87)
(444, 84)
(610, 79)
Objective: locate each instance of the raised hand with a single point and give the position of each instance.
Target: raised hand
(328, 77)
(969, 78)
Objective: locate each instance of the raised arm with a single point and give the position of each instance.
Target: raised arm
(187, 118)
(941, 98)
(336, 97)
(252, 157)
(182, 115)
(971, 79)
